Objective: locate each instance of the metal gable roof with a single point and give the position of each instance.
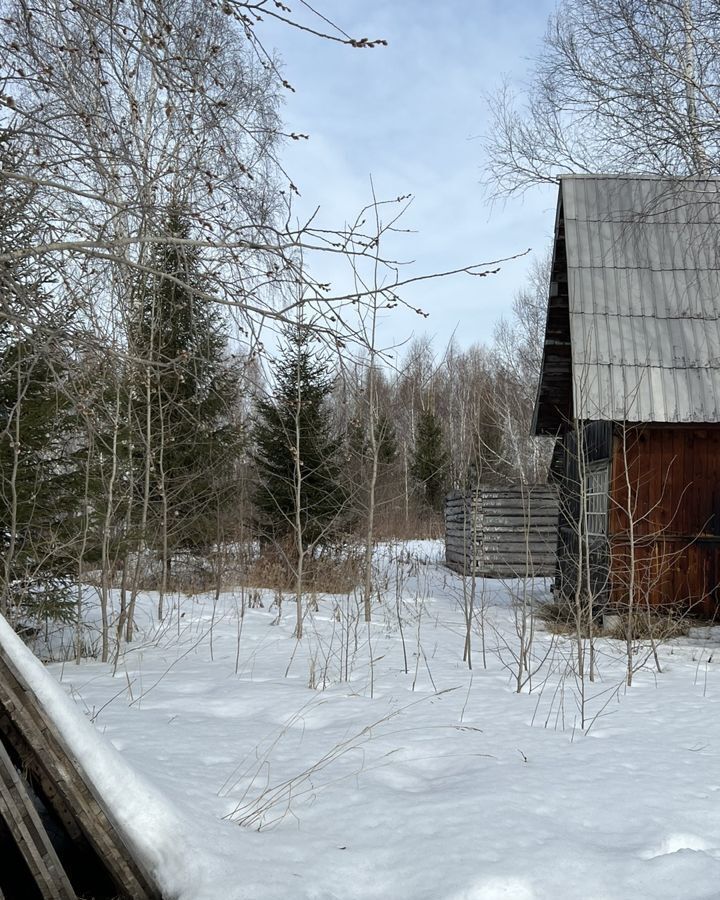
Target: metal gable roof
(643, 298)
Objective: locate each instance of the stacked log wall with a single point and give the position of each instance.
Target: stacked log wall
(502, 532)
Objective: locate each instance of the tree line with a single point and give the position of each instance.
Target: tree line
(177, 447)
(148, 248)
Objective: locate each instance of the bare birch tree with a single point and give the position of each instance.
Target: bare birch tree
(619, 86)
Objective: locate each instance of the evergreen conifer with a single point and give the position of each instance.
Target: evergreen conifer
(38, 427)
(185, 387)
(297, 415)
(40, 485)
(429, 461)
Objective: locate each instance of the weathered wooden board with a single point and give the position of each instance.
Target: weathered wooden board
(27, 727)
(497, 570)
(672, 473)
(23, 822)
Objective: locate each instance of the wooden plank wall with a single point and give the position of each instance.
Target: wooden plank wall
(671, 518)
(502, 532)
(554, 401)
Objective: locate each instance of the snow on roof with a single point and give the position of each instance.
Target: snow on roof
(156, 832)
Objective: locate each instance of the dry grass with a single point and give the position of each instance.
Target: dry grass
(190, 573)
(557, 617)
(398, 528)
(646, 625)
(560, 618)
(332, 572)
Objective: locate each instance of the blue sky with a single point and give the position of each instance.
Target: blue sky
(410, 115)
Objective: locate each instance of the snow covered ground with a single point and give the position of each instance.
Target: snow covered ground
(303, 770)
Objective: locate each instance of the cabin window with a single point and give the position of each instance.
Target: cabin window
(597, 487)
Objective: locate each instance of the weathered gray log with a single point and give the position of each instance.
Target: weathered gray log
(499, 572)
(517, 548)
(460, 544)
(508, 523)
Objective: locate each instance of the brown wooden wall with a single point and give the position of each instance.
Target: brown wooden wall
(669, 516)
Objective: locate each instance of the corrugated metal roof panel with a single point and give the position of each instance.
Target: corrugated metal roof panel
(664, 294)
(640, 245)
(644, 340)
(643, 265)
(636, 393)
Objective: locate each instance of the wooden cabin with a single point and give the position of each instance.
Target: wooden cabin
(630, 388)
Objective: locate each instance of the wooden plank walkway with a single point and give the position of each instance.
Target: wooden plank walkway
(59, 779)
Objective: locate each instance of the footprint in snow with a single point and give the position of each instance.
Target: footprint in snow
(676, 842)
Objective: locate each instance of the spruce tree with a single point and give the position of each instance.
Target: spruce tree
(184, 391)
(386, 437)
(39, 483)
(297, 415)
(429, 461)
(38, 425)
